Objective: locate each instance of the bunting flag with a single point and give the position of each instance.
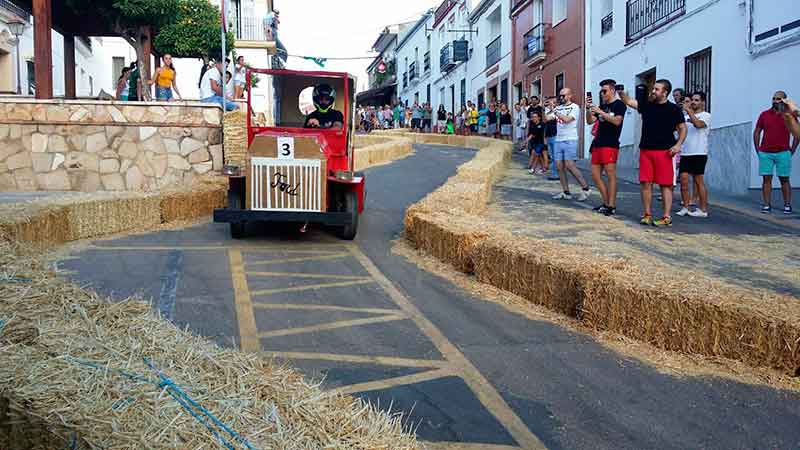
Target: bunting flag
(320, 61)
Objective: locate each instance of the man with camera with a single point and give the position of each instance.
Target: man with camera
(658, 146)
(567, 115)
(771, 141)
(694, 155)
(605, 146)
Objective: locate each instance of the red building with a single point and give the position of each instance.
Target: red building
(547, 51)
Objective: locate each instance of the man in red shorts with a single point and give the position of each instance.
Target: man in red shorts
(605, 146)
(658, 147)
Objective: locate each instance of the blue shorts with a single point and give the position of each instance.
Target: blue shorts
(163, 93)
(780, 162)
(227, 104)
(565, 151)
(536, 148)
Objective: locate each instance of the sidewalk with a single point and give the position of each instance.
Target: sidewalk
(748, 204)
(736, 244)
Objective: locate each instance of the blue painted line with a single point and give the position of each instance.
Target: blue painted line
(169, 284)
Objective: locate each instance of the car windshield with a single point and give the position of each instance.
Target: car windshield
(287, 100)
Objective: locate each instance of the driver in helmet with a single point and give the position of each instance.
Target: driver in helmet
(324, 116)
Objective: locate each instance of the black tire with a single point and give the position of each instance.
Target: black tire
(349, 204)
(235, 201)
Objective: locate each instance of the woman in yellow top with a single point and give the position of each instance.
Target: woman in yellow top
(473, 118)
(164, 79)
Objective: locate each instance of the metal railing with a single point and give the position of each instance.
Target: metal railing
(249, 29)
(405, 79)
(412, 71)
(607, 24)
(534, 42)
(426, 61)
(15, 9)
(645, 16)
(493, 51)
(446, 57)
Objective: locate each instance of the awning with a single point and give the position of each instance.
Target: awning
(382, 94)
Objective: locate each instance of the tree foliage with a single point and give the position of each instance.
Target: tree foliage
(195, 32)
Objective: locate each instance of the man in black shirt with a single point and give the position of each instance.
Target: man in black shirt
(658, 147)
(324, 116)
(605, 147)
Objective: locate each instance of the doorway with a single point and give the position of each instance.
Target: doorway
(453, 99)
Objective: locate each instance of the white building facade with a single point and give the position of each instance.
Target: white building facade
(489, 67)
(737, 51)
(415, 80)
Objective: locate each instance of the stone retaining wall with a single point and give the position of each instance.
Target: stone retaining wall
(99, 145)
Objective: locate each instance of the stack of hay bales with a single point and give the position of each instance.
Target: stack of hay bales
(76, 373)
(673, 312)
(234, 128)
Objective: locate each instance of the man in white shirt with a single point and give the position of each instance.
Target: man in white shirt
(566, 146)
(694, 154)
(211, 88)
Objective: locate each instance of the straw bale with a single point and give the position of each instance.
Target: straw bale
(696, 316)
(542, 272)
(178, 205)
(470, 198)
(45, 226)
(234, 129)
(64, 351)
(364, 140)
(456, 141)
(108, 216)
(450, 238)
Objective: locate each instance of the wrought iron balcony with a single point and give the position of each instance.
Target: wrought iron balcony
(534, 44)
(645, 16)
(405, 80)
(607, 24)
(446, 58)
(413, 72)
(248, 29)
(426, 62)
(493, 52)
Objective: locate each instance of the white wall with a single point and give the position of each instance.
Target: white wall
(476, 69)
(741, 83)
(416, 38)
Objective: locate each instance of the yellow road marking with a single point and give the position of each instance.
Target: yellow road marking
(364, 359)
(465, 446)
(309, 287)
(249, 249)
(392, 382)
(326, 308)
(485, 392)
(300, 259)
(308, 275)
(331, 326)
(248, 332)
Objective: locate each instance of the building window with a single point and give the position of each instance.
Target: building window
(698, 74)
(559, 11)
(481, 99)
(31, 77)
(536, 88)
(428, 94)
(504, 91)
(117, 63)
(559, 83)
(607, 14)
(463, 92)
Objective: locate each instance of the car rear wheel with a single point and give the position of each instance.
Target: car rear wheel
(349, 204)
(235, 201)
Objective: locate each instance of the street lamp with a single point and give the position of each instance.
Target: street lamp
(17, 27)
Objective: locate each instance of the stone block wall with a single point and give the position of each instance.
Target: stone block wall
(113, 146)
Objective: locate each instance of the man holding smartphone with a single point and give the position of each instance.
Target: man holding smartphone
(605, 146)
(658, 147)
(774, 152)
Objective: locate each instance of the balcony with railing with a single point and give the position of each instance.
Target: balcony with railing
(446, 58)
(493, 51)
(248, 29)
(15, 9)
(533, 41)
(426, 62)
(645, 16)
(405, 80)
(413, 72)
(607, 24)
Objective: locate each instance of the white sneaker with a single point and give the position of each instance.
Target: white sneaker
(683, 212)
(531, 171)
(583, 195)
(698, 213)
(562, 196)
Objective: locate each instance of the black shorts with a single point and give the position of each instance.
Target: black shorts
(415, 123)
(694, 164)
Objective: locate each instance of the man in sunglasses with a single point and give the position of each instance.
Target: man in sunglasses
(771, 140)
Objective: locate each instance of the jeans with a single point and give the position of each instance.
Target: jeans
(163, 93)
(227, 104)
(551, 144)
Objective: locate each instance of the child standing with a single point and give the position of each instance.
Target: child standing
(536, 150)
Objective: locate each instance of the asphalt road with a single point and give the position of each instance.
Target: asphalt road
(468, 373)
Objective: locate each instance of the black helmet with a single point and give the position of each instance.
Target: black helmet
(322, 91)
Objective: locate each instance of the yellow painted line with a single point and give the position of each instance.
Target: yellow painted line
(300, 259)
(150, 248)
(331, 326)
(245, 317)
(246, 249)
(363, 359)
(310, 287)
(392, 382)
(308, 275)
(464, 446)
(326, 308)
(292, 250)
(485, 392)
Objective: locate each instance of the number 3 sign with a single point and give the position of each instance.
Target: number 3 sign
(285, 148)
